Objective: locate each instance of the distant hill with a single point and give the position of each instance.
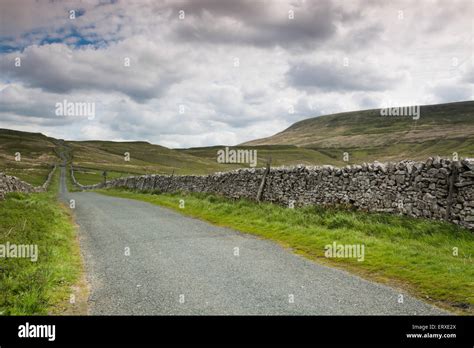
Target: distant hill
(39, 152)
(441, 130)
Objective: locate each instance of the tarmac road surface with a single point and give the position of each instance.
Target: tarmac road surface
(142, 259)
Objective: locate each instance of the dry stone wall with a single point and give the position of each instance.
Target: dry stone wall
(10, 183)
(46, 184)
(437, 189)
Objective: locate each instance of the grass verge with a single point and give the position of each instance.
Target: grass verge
(416, 255)
(44, 286)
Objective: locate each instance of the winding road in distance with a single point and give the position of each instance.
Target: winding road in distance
(178, 265)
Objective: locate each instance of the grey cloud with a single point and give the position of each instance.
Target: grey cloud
(257, 23)
(469, 76)
(332, 77)
(57, 69)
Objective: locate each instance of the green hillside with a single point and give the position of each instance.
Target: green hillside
(37, 154)
(366, 135)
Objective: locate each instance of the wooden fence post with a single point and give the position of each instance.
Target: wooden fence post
(262, 183)
(451, 180)
(169, 183)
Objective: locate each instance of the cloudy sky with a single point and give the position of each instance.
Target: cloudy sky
(198, 73)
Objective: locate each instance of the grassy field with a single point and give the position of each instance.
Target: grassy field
(89, 176)
(35, 176)
(194, 160)
(145, 158)
(413, 254)
(281, 155)
(44, 286)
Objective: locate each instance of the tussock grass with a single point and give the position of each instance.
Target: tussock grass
(413, 254)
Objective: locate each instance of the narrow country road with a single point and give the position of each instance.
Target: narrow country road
(180, 265)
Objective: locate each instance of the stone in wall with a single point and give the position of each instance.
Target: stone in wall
(10, 183)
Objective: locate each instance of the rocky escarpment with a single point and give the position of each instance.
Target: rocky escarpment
(437, 189)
